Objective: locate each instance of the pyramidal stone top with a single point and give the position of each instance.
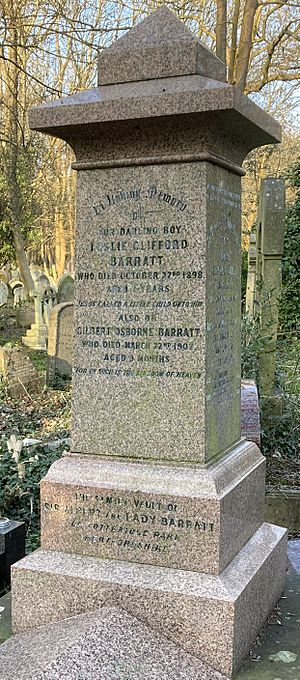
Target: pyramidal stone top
(159, 47)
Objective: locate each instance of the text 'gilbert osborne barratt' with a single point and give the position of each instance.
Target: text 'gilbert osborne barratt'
(159, 507)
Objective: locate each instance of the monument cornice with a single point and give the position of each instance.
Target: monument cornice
(89, 111)
(204, 156)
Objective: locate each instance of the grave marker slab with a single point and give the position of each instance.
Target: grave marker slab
(251, 303)
(272, 228)
(161, 501)
(65, 289)
(60, 342)
(18, 372)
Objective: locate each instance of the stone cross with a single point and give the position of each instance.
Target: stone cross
(36, 335)
(160, 506)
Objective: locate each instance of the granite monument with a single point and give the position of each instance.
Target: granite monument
(159, 509)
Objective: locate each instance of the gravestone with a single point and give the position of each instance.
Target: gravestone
(12, 548)
(251, 305)
(160, 507)
(250, 411)
(3, 293)
(271, 235)
(17, 288)
(65, 289)
(18, 372)
(25, 315)
(60, 343)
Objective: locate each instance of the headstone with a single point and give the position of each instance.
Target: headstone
(25, 315)
(251, 306)
(272, 228)
(65, 289)
(60, 343)
(160, 507)
(12, 548)
(18, 290)
(18, 371)
(36, 336)
(3, 293)
(42, 283)
(250, 411)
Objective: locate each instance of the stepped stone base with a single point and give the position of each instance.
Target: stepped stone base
(186, 517)
(108, 643)
(36, 337)
(215, 618)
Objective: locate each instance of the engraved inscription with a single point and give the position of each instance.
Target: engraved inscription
(140, 257)
(130, 523)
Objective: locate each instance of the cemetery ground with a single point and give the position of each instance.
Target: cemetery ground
(42, 422)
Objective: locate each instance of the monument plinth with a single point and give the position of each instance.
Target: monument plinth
(159, 507)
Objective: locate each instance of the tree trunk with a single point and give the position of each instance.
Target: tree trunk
(12, 150)
(233, 48)
(245, 46)
(221, 30)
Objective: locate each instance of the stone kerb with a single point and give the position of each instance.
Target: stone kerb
(60, 343)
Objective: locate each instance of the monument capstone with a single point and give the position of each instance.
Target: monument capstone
(160, 506)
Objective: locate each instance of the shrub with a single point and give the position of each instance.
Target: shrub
(19, 486)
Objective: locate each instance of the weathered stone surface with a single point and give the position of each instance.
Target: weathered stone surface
(25, 315)
(18, 371)
(158, 47)
(108, 643)
(36, 336)
(271, 236)
(283, 507)
(250, 411)
(251, 302)
(60, 342)
(48, 302)
(215, 618)
(189, 518)
(3, 293)
(65, 289)
(18, 290)
(272, 216)
(157, 308)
